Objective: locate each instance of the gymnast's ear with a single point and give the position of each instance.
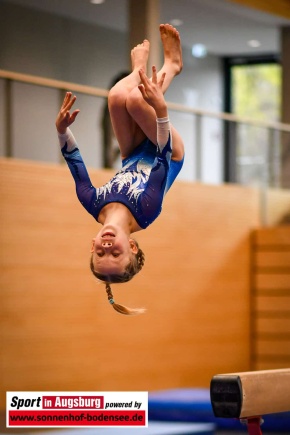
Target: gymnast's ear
(93, 245)
(133, 246)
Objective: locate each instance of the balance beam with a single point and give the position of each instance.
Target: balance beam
(250, 395)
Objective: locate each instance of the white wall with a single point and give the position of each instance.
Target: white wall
(39, 43)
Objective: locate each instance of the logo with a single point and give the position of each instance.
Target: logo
(75, 409)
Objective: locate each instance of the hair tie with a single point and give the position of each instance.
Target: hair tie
(111, 301)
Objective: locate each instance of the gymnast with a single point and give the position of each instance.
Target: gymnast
(152, 155)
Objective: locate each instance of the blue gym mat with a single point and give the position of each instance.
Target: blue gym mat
(154, 428)
(194, 405)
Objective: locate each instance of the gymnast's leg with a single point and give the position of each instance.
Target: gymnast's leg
(143, 114)
(127, 132)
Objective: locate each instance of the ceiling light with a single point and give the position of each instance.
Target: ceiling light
(97, 2)
(199, 50)
(254, 43)
(176, 22)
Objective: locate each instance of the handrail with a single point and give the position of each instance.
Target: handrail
(98, 92)
(52, 83)
(230, 117)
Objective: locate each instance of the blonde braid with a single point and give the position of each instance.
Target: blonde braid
(121, 308)
(140, 258)
(109, 293)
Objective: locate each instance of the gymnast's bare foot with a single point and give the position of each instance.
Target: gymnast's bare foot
(172, 48)
(139, 55)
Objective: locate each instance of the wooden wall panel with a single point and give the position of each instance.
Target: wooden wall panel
(273, 238)
(266, 326)
(272, 365)
(271, 298)
(58, 331)
(277, 349)
(275, 7)
(273, 304)
(272, 281)
(272, 259)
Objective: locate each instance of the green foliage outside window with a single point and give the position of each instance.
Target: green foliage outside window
(256, 95)
(257, 91)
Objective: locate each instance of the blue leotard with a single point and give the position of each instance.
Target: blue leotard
(145, 177)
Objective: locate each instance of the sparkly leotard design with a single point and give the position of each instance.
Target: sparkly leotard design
(145, 177)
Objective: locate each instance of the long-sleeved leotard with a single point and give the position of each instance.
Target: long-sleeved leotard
(145, 177)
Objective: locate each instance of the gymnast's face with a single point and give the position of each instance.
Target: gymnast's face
(112, 250)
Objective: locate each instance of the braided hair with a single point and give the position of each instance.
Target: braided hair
(131, 269)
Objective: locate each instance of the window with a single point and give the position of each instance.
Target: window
(253, 91)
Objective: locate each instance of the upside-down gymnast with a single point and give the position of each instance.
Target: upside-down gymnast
(152, 155)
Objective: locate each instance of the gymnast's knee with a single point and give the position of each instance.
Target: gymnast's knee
(117, 98)
(135, 102)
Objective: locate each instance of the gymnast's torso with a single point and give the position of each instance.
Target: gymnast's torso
(140, 185)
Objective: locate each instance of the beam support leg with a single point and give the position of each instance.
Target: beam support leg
(253, 425)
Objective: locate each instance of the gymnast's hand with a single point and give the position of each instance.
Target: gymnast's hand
(64, 119)
(152, 93)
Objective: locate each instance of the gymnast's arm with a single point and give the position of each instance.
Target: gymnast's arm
(151, 91)
(151, 198)
(162, 161)
(85, 191)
